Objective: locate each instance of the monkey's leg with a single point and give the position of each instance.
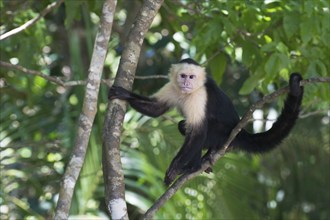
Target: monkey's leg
(188, 159)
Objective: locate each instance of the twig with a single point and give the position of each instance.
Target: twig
(60, 82)
(55, 80)
(245, 119)
(29, 23)
(152, 77)
(306, 115)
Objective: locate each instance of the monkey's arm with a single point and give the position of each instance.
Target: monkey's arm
(142, 104)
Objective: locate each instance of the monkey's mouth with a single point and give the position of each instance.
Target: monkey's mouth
(186, 89)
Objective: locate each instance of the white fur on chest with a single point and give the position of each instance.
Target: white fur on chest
(191, 105)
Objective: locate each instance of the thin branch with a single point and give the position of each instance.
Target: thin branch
(60, 82)
(319, 112)
(151, 77)
(243, 122)
(29, 23)
(55, 80)
(88, 112)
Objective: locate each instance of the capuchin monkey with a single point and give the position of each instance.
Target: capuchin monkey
(209, 116)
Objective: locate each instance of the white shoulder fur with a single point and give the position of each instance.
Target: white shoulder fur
(192, 105)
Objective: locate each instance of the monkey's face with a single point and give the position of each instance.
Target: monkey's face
(187, 82)
(188, 77)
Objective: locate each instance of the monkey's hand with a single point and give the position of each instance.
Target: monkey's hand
(294, 84)
(117, 92)
(170, 175)
(182, 127)
(176, 169)
(172, 172)
(210, 160)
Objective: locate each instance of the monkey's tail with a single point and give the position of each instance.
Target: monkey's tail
(265, 141)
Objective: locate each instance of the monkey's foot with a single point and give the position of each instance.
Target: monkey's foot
(208, 170)
(170, 176)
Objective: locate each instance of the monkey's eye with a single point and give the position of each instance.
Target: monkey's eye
(183, 76)
(192, 76)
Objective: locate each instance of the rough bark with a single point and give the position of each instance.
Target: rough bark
(89, 110)
(112, 167)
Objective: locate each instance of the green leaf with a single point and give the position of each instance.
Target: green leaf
(270, 47)
(321, 67)
(249, 53)
(251, 83)
(277, 64)
(281, 47)
(307, 29)
(229, 27)
(272, 64)
(218, 66)
(72, 12)
(317, 68)
(291, 24)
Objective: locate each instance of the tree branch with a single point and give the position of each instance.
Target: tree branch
(60, 82)
(243, 122)
(55, 80)
(306, 115)
(111, 164)
(151, 77)
(29, 23)
(89, 110)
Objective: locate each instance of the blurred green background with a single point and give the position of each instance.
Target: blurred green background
(250, 48)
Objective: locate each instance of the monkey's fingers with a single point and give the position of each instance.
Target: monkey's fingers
(208, 170)
(170, 176)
